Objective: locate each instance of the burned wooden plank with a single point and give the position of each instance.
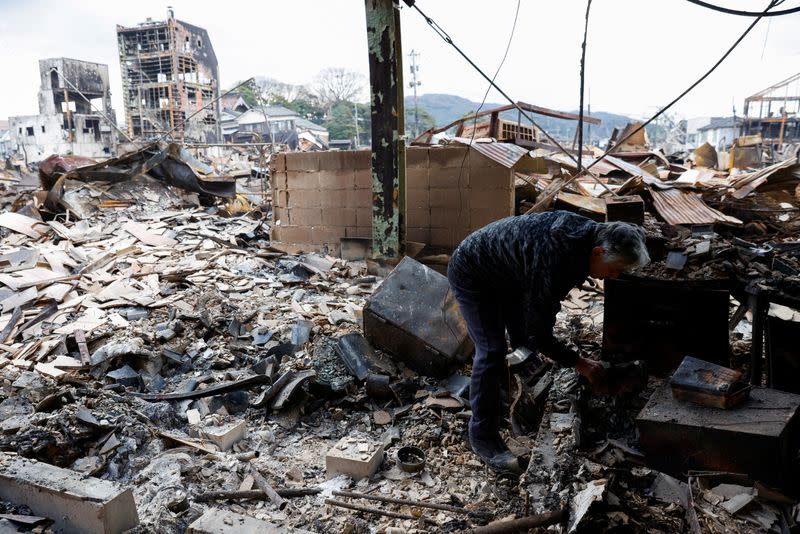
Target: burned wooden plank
(225, 387)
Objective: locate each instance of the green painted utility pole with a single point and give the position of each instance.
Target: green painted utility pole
(388, 128)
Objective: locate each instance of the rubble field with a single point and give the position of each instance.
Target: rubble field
(155, 342)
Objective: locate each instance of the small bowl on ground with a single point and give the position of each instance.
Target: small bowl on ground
(411, 459)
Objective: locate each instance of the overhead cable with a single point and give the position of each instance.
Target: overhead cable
(741, 13)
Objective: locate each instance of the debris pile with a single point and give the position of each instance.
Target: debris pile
(155, 346)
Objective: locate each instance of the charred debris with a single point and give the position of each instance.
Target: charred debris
(180, 371)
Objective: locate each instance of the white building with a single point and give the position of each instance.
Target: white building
(68, 121)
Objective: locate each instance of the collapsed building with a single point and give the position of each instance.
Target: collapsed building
(170, 81)
(775, 113)
(74, 113)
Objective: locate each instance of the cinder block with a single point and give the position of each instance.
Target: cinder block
(358, 198)
(417, 178)
(480, 217)
(363, 178)
(355, 456)
(421, 235)
(304, 198)
(278, 163)
(418, 218)
(76, 503)
(305, 216)
(216, 521)
(417, 199)
(491, 178)
(450, 156)
(339, 217)
(335, 198)
(322, 235)
(501, 200)
(364, 217)
(292, 234)
(353, 231)
(336, 160)
(280, 214)
(223, 436)
(337, 179)
(447, 217)
(302, 180)
(278, 178)
(449, 198)
(459, 234)
(417, 157)
(364, 197)
(280, 198)
(302, 161)
(362, 159)
(449, 177)
(441, 237)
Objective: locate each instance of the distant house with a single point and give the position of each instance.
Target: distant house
(234, 102)
(276, 124)
(693, 134)
(720, 132)
(5, 141)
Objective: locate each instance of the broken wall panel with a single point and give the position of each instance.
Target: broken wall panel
(757, 438)
(321, 197)
(76, 503)
(662, 321)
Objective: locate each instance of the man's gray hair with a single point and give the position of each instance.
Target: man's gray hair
(623, 242)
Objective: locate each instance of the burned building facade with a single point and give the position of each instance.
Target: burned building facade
(775, 112)
(169, 74)
(74, 113)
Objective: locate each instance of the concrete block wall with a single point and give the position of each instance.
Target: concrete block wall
(320, 197)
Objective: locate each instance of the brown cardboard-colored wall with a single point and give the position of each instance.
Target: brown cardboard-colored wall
(320, 197)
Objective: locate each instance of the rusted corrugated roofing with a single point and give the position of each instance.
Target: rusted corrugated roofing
(601, 168)
(506, 154)
(677, 207)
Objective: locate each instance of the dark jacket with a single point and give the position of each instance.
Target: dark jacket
(541, 257)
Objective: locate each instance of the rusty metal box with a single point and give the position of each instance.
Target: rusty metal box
(661, 321)
(414, 316)
(758, 438)
(628, 209)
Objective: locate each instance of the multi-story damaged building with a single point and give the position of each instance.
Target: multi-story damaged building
(74, 113)
(170, 81)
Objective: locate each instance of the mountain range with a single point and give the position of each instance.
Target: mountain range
(446, 108)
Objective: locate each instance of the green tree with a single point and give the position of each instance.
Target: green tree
(426, 121)
(341, 121)
(249, 95)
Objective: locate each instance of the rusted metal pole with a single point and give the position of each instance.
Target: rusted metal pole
(519, 525)
(388, 128)
(264, 486)
(408, 502)
(254, 494)
(378, 511)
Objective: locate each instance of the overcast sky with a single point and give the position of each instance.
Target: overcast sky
(640, 53)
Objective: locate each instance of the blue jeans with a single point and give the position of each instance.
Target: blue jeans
(488, 314)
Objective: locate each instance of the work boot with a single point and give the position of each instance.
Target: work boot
(495, 454)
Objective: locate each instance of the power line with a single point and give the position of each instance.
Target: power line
(583, 63)
(449, 40)
(741, 13)
(772, 4)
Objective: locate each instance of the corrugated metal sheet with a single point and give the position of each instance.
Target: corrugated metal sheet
(677, 207)
(601, 168)
(506, 154)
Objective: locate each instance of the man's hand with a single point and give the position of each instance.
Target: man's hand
(593, 371)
